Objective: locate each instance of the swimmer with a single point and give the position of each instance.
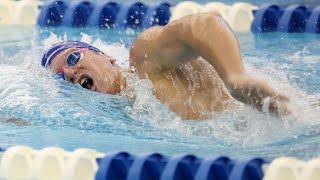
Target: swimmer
(194, 64)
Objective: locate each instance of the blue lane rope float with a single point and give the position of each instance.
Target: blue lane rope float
(52, 13)
(248, 169)
(155, 166)
(103, 14)
(147, 166)
(135, 15)
(139, 15)
(313, 24)
(157, 15)
(181, 167)
(291, 19)
(214, 168)
(114, 166)
(266, 19)
(78, 13)
(122, 165)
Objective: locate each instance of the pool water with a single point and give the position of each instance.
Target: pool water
(39, 111)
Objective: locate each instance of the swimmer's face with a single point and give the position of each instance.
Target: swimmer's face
(94, 71)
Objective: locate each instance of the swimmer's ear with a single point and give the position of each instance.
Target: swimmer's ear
(111, 59)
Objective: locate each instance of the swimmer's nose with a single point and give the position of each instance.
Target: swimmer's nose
(70, 74)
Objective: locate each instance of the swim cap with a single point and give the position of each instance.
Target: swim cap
(57, 48)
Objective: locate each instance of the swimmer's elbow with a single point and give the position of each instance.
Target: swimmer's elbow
(197, 23)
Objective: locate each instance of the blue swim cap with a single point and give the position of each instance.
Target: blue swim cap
(57, 48)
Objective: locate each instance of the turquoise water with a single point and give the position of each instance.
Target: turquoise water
(38, 111)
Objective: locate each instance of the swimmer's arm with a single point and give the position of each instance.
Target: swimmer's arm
(208, 35)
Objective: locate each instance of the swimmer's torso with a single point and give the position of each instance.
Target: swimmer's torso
(192, 90)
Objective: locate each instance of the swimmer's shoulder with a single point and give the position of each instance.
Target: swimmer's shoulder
(157, 49)
(143, 51)
(148, 38)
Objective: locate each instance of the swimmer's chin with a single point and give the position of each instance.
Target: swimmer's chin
(109, 91)
(115, 87)
(116, 91)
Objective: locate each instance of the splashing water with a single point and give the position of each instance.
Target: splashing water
(38, 111)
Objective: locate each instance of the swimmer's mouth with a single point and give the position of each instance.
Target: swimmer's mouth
(86, 82)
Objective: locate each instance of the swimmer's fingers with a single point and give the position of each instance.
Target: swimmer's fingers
(279, 106)
(282, 97)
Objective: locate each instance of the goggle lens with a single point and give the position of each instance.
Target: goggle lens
(73, 58)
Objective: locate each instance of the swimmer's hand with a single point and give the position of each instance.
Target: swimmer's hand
(258, 94)
(277, 106)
